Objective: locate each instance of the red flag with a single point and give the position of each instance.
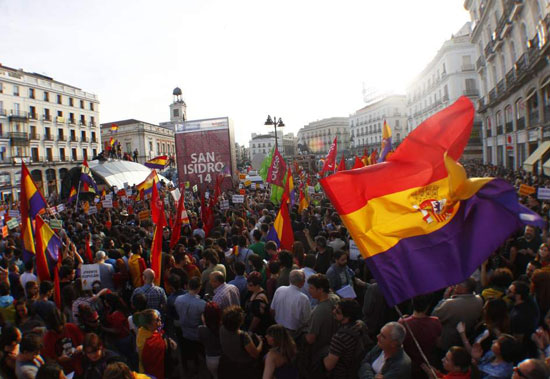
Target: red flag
(283, 225)
(176, 230)
(358, 163)
(88, 251)
(159, 220)
(277, 170)
(342, 164)
(207, 215)
(330, 161)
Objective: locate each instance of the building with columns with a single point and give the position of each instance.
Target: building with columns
(366, 124)
(449, 75)
(512, 46)
(50, 125)
(317, 136)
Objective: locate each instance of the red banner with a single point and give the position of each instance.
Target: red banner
(277, 170)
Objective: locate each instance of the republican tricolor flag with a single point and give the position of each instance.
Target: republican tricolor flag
(158, 163)
(420, 223)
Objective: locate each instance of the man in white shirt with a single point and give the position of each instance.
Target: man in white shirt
(291, 306)
(27, 276)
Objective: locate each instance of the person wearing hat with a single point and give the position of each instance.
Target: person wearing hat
(106, 270)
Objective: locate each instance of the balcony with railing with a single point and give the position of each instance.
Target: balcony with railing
(93, 124)
(501, 87)
(84, 139)
(60, 120)
(61, 138)
(82, 123)
(18, 138)
(33, 116)
(72, 121)
(47, 117)
(74, 139)
(547, 113)
(510, 78)
(489, 132)
(521, 64)
(499, 130)
(35, 137)
(94, 139)
(3, 112)
(48, 137)
(492, 95)
(467, 67)
(20, 116)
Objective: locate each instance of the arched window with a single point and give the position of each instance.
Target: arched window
(508, 119)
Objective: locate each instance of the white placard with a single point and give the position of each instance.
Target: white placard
(89, 274)
(129, 192)
(261, 186)
(224, 204)
(354, 253)
(195, 188)
(60, 208)
(97, 200)
(253, 186)
(346, 292)
(13, 213)
(125, 184)
(311, 190)
(107, 203)
(176, 194)
(237, 199)
(92, 210)
(109, 196)
(52, 210)
(543, 194)
(207, 195)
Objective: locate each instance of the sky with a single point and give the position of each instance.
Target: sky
(300, 60)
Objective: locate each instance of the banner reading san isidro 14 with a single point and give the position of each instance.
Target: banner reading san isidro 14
(204, 149)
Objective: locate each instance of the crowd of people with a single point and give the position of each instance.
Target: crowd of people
(231, 304)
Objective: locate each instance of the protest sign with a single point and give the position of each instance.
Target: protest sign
(89, 274)
(237, 199)
(543, 194)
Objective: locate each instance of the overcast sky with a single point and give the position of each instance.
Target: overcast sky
(302, 60)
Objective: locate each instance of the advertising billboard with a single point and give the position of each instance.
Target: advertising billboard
(204, 149)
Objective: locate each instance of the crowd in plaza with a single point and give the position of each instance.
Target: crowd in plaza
(231, 304)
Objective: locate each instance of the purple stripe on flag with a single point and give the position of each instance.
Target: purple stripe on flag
(36, 203)
(54, 245)
(272, 236)
(154, 166)
(427, 263)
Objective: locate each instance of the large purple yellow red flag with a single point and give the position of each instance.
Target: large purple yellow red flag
(87, 178)
(72, 195)
(277, 170)
(418, 220)
(32, 203)
(48, 245)
(330, 161)
(281, 232)
(146, 187)
(158, 163)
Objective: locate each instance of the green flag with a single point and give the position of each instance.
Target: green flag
(265, 165)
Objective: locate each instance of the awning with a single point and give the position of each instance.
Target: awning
(536, 156)
(118, 172)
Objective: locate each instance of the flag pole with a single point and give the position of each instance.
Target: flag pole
(77, 195)
(415, 341)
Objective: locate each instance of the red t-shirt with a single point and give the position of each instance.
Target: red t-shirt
(426, 330)
(64, 343)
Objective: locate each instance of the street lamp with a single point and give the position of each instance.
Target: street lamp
(275, 123)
